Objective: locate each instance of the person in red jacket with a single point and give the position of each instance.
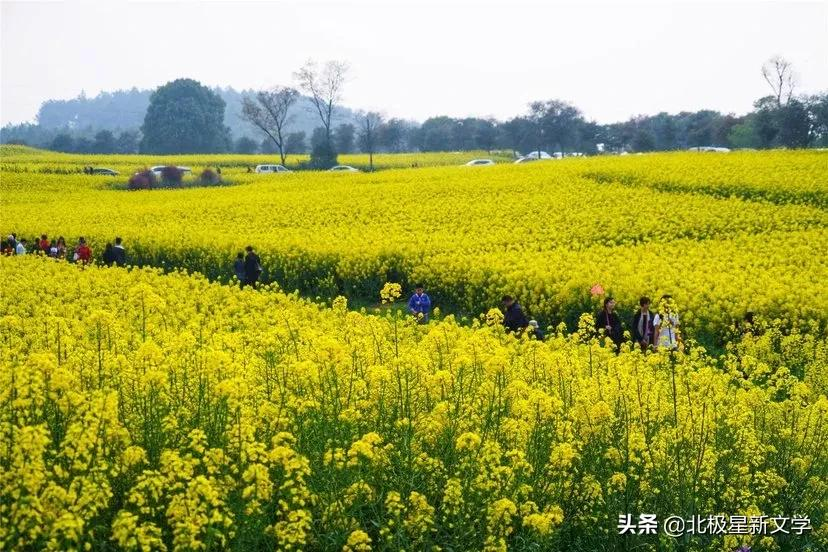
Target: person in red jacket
(83, 253)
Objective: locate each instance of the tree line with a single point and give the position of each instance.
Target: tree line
(184, 116)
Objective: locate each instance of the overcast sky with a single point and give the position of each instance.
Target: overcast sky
(423, 58)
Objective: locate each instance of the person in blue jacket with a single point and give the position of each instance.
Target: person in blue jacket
(420, 304)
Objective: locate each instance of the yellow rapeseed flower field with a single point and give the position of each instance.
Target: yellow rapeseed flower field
(150, 411)
(157, 408)
(725, 234)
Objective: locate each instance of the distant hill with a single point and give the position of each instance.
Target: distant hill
(125, 109)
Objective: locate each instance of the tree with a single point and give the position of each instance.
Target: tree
(184, 117)
(369, 123)
(794, 125)
(778, 73)
(344, 138)
(437, 134)
(393, 135)
(270, 113)
(245, 144)
(62, 142)
(743, 134)
(104, 142)
(267, 146)
(485, 134)
(818, 111)
(127, 142)
(556, 123)
(765, 121)
(296, 143)
(84, 145)
(324, 86)
(322, 154)
(518, 134)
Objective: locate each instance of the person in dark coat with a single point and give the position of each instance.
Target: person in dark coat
(608, 321)
(642, 325)
(513, 318)
(119, 253)
(109, 255)
(252, 268)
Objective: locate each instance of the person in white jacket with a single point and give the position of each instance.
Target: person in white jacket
(666, 324)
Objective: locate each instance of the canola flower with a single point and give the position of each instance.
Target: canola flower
(151, 411)
(725, 234)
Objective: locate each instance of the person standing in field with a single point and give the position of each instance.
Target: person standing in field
(609, 321)
(20, 248)
(252, 268)
(108, 255)
(43, 245)
(642, 325)
(513, 318)
(61, 248)
(420, 304)
(666, 323)
(238, 268)
(9, 245)
(118, 252)
(83, 253)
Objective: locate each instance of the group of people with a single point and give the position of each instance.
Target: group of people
(56, 248)
(650, 330)
(248, 267)
(659, 330)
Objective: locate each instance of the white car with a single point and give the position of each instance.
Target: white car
(267, 169)
(712, 149)
(343, 168)
(480, 163)
(158, 169)
(538, 155)
(525, 160)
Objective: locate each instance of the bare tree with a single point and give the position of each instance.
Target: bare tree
(269, 111)
(324, 86)
(779, 74)
(369, 123)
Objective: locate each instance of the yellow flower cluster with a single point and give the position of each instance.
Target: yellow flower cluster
(151, 411)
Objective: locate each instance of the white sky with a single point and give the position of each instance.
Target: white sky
(423, 58)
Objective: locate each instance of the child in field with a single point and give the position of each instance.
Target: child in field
(534, 327)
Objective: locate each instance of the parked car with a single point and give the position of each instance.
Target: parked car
(158, 169)
(105, 171)
(267, 169)
(525, 160)
(712, 149)
(480, 163)
(538, 155)
(343, 168)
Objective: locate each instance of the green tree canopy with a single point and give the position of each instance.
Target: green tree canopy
(185, 117)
